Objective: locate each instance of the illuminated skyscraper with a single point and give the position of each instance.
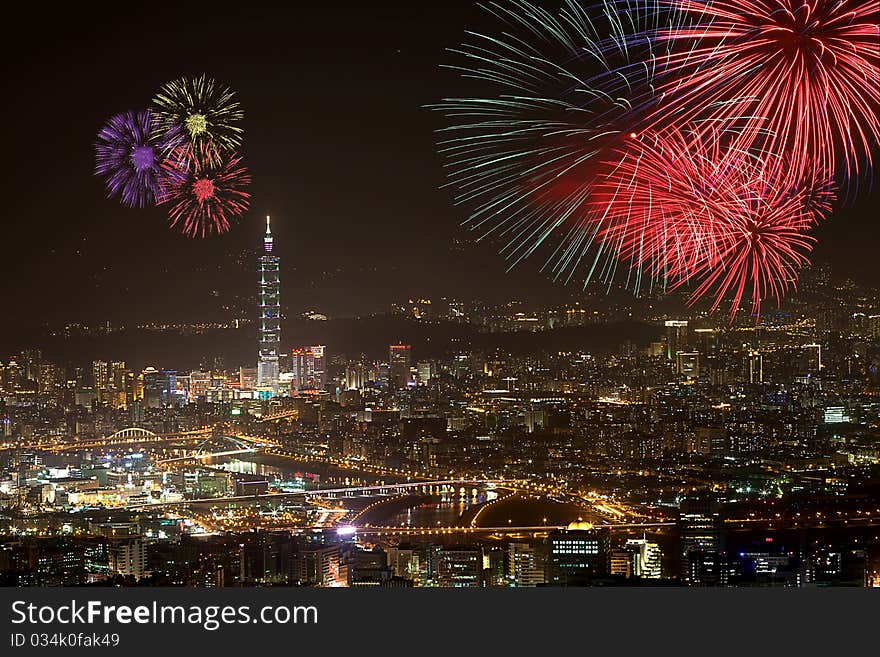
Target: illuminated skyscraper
(755, 363)
(699, 528)
(270, 314)
(159, 387)
(676, 337)
(101, 377)
(688, 364)
(308, 365)
(399, 359)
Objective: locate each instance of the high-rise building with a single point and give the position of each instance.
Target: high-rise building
(247, 378)
(755, 362)
(534, 418)
(425, 369)
(101, 378)
(10, 377)
(160, 387)
(688, 364)
(459, 567)
(578, 554)
(30, 363)
(699, 528)
(404, 561)
(706, 340)
(117, 374)
(134, 387)
(199, 383)
(676, 337)
(127, 556)
(645, 558)
(356, 376)
(400, 362)
(270, 314)
(48, 378)
(308, 367)
(136, 412)
(525, 564)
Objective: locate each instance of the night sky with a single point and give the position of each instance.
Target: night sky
(337, 138)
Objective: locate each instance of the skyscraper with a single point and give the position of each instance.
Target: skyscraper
(755, 363)
(399, 360)
(101, 378)
(308, 365)
(699, 529)
(159, 387)
(676, 337)
(270, 314)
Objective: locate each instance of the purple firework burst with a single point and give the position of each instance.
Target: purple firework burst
(129, 152)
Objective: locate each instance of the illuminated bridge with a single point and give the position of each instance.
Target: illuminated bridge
(448, 485)
(281, 415)
(389, 530)
(203, 450)
(127, 436)
(442, 486)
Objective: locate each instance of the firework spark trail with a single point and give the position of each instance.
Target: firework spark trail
(578, 146)
(568, 86)
(203, 109)
(129, 151)
(688, 209)
(805, 74)
(205, 191)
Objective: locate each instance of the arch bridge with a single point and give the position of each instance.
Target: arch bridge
(125, 435)
(205, 449)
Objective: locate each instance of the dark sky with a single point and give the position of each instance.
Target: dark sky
(336, 136)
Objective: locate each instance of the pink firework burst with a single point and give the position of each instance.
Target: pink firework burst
(793, 76)
(684, 207)
(207, 191)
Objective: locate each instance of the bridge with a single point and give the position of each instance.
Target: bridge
(201, 451)
(132, 432)
(127, 436)
(281, 415)
(369, 530)
(329, 493)
(441, 486)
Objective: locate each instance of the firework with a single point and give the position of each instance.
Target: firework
(203, 109)
(686, 208)
(805, 74)
(566, 87)
(129, 152)
(205, 190)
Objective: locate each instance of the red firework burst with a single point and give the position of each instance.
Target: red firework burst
(206, 190)
(683, 207)
(794, 76)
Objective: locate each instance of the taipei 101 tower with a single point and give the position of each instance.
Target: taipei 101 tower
(270, 315)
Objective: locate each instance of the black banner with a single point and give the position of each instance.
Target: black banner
(384, 621)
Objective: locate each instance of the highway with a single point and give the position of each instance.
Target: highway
(540, 529)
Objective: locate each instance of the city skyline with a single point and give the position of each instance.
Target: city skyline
(350, 163)
(347, 390)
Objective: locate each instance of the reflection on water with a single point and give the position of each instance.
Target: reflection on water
(251, 468)
(283, 469)
(445, 508)
(446, 511)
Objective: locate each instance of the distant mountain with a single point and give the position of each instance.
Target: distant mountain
(369, 336)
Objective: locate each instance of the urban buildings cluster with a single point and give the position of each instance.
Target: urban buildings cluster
(706, 454)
